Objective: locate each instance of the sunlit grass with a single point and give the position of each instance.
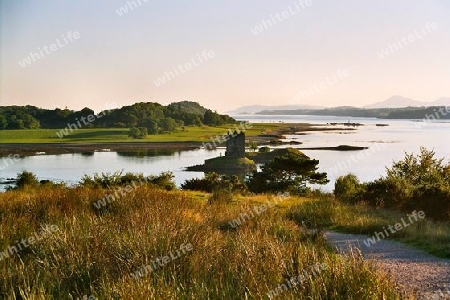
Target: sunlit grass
(95, 251)
(430, 236)
(101, 135)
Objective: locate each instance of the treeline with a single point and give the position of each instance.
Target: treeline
(155, 117)
(429, 113)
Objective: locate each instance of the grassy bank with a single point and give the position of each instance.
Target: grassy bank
(95, 251)
(327, 213)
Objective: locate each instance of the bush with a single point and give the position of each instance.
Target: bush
(109, 180)
(264, 149)
(163, 180)
(214, 181)
(348, 189)
(418, 182)
(26, 179)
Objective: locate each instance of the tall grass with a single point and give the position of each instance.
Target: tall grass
(96, 251)
(327, 213)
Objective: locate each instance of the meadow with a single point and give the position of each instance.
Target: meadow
(111, 135)
(96, 251)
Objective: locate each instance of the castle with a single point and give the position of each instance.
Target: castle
(235, 145)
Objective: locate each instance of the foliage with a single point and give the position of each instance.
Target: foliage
(290, 171)
(163, 180)
(417, 182)
(116, 179)
(153, 116)
(26, 179)
(348, 189)
(264, 149)
(327, 213)
(253, 146)
(138, 132)
(213, 181)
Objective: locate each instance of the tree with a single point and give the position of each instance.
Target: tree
(290, 171)
(138, 132)
(168, 124)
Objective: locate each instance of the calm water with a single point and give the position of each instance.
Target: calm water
(385, 145)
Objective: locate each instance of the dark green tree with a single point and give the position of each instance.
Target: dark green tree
(138, 132)
(290, 171)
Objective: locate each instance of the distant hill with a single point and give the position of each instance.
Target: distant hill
(356, 112)
(253, 109)
(399, 102)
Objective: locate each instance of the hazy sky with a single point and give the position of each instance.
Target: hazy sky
(115, 57)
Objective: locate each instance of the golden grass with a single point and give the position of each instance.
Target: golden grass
(96, 251)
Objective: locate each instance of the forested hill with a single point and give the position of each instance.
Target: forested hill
(433, 112)
(153, 116)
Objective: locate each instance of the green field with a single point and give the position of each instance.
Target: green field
(105, 135)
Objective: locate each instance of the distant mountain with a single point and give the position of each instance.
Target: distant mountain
(395, 102)
(400, 102)
(443, 101)
(253, 109)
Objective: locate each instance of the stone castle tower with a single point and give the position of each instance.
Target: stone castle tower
(235, 145)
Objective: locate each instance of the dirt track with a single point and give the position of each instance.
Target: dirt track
(415, 272)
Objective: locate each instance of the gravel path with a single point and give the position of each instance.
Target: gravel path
(415, 272)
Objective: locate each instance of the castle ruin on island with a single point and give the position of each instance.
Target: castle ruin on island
(235, 145)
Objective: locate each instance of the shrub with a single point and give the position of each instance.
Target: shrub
(26, 179)
(348, 189)
(214, 181)
(163, 180)
(418, 182)
(264, 149)
(109, 180)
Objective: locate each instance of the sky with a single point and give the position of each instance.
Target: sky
(109, 53)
